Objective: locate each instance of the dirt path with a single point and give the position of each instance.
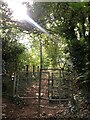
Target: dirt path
(47, 109)
(29, 110)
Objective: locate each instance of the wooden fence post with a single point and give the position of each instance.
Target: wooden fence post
(14, 85)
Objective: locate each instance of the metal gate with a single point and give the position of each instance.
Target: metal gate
(55, 85)
(59, 84)
(25, 81)
(45, 87)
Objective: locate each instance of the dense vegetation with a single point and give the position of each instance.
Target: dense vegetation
(68, 45)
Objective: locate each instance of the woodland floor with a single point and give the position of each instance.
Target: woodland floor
(49, 111)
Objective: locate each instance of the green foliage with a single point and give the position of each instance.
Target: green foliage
(12, 50)
(69, 40)
(57, 51)
(70, 20)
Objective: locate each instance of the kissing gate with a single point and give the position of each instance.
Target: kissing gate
(44, 86)
(47, 86)
(59, 84)
(58, 87)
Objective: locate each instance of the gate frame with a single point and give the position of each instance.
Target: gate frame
(51, 99)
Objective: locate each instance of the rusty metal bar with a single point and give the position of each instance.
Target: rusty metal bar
(39, 97)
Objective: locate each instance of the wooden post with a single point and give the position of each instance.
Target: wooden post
(26, 75)
(52, 85)
(37, 68)
(17, 87)
(48, 85)
(33, 70)
(14, 85)
(59, 85)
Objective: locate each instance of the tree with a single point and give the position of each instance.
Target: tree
(72, 21)
(11, 50)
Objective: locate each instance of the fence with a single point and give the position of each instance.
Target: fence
(55, 86)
